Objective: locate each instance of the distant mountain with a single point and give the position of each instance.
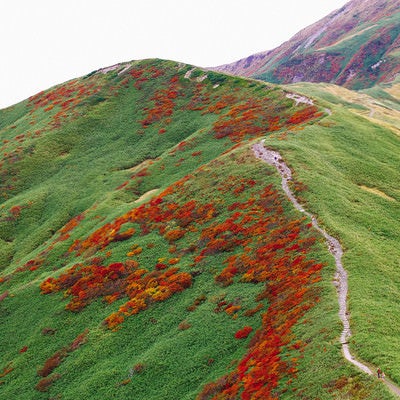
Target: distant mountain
(356, 46)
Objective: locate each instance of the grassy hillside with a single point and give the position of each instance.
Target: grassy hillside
(351, 175)
(146, 253)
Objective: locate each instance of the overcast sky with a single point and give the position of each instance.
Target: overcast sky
(46, 42)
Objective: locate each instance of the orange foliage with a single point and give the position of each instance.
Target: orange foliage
(303, 115)
(63, 98)
(163, 104)
(15, 211)
(261, 245)
(274, 252)
(6, 370)
(72, 223)
(85, 283)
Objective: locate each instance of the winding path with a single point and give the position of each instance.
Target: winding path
(274, 158)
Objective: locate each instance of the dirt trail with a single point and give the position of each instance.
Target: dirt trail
(274, 158)
(146, 195)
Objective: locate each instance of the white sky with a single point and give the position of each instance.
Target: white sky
(46, 42)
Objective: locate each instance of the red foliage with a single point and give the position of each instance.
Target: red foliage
(199, 300)
(6, 370)
(56, 359)
(261, 245)
(144, 289)
(153, 215)
(240, 121)
(64, 99)
(252, 311)
(23, 349)
(138, 368)
(244, 332)
(85, 283)
(200, 97)
(71, 224)
(272, 251)
(174, 234)
(303, 115)
(254, 117)
(78, 341)
(137, 74)
(44, 384)
(184, 325)
(163, 104)
(122, 185)
(52, 363)
(15, 211)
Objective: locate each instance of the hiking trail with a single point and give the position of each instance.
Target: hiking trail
(274, 158)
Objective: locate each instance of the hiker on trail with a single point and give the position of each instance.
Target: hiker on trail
(380, 373)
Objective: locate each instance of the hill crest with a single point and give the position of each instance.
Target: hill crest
(145, 252)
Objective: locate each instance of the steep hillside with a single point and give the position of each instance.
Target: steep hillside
(356, 46)
(146, 253)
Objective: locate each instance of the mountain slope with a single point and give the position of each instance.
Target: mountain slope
(147, 253)
(366, 156)
(356, 46)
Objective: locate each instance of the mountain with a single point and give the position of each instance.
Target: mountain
(356, 46)
(146, 252)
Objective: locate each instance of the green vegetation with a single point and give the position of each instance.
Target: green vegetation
(351, 174)
(146, 253)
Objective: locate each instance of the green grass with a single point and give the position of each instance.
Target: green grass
(80, 166)
(334, 159)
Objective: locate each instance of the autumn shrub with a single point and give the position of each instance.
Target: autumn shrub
(137, 368)
(184, 325)
(15, 211)
(78, 341)
(244, 332)
(58, 357)
(48, 331)
(199, 300)
(44, 384)
(6, 370)
(52, 363)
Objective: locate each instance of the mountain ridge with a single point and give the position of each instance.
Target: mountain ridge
(147, 251)
(134, 215)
